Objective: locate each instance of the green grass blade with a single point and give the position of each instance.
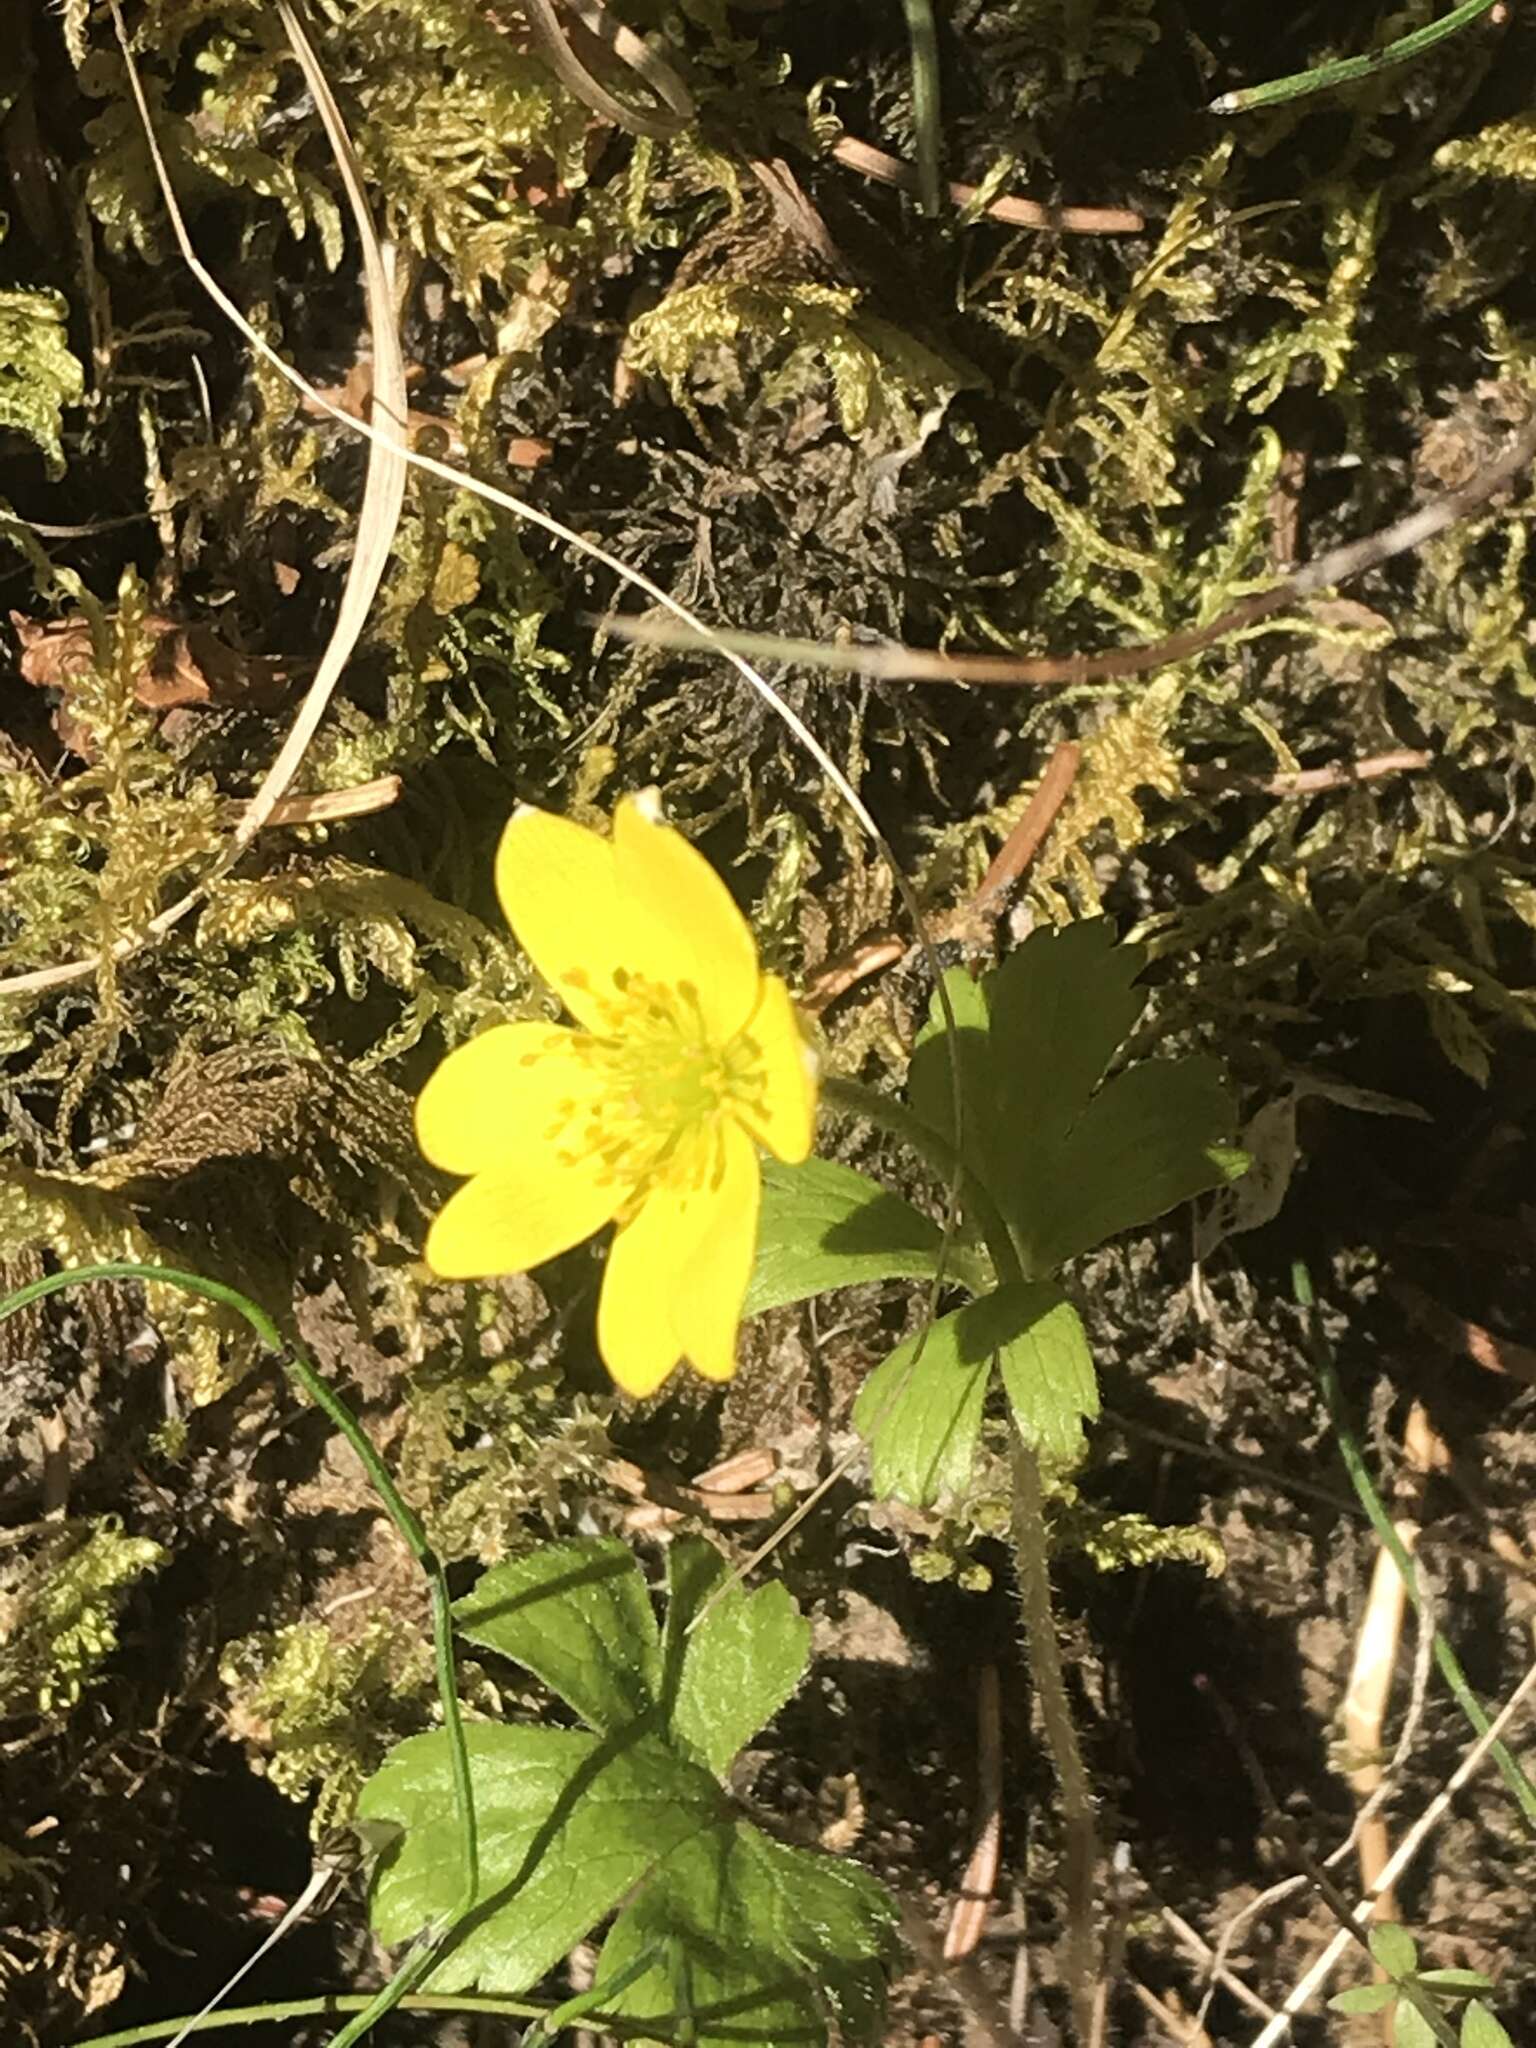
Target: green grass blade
(1324, 77)
(925, 100)
(405, 1520)
(1447, 1661)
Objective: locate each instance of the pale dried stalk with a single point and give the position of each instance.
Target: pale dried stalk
(378, 517)
(968, 1920)
(1215, 1968)
(1376, 1650)
(1402, 1858)
(1184, 2028)
(1019, 213)
(329, 805)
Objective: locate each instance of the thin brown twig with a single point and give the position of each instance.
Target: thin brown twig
(1018, 213)
(727, 1492)
(711, 1507)
(967, 919)
(893, 662)
(1029, 834)
(795, 211)
(849, 969)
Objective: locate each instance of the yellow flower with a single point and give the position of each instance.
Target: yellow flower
(684, 1058)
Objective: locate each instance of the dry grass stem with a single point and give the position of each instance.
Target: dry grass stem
(968, 1918)
(383, 488)
(1018, 213)
(1402, 1859)
(1376, 1651)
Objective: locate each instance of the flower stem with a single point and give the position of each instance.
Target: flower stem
(1031, 1557)
(1032, 1561)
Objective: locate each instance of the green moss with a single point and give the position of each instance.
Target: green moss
(59, 1607)
(40, 376)
(320, 1713)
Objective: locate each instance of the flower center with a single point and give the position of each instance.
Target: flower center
(666, 1084)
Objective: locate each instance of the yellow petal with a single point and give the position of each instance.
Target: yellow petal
(783, 1115)
(678, 1271)
(510, 1088)
(708, 1312)
(519, 1215)
(559, 889)
(682, 921)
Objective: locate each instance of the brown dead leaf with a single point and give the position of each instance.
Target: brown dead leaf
(187, 665)
(528, 451)
(354, 395)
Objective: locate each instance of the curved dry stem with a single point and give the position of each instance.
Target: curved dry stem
(560, 54)
(378, 516)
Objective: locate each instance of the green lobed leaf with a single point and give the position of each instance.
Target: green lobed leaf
(1061, 1006)
(572, 1824)
(1068, 1166)
(1454, 1983)
(1033, 1039)
(1362, 1998)
(1410, 2029)
(1393, 1947)
(579, 1617)
(920, 1409)
(1479, 2029)
(778, 1943)
(930, 1081)
(568, 1824)
(729, 1673)
(823, 1225)
(1047, 1371)
(1150, 1139)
